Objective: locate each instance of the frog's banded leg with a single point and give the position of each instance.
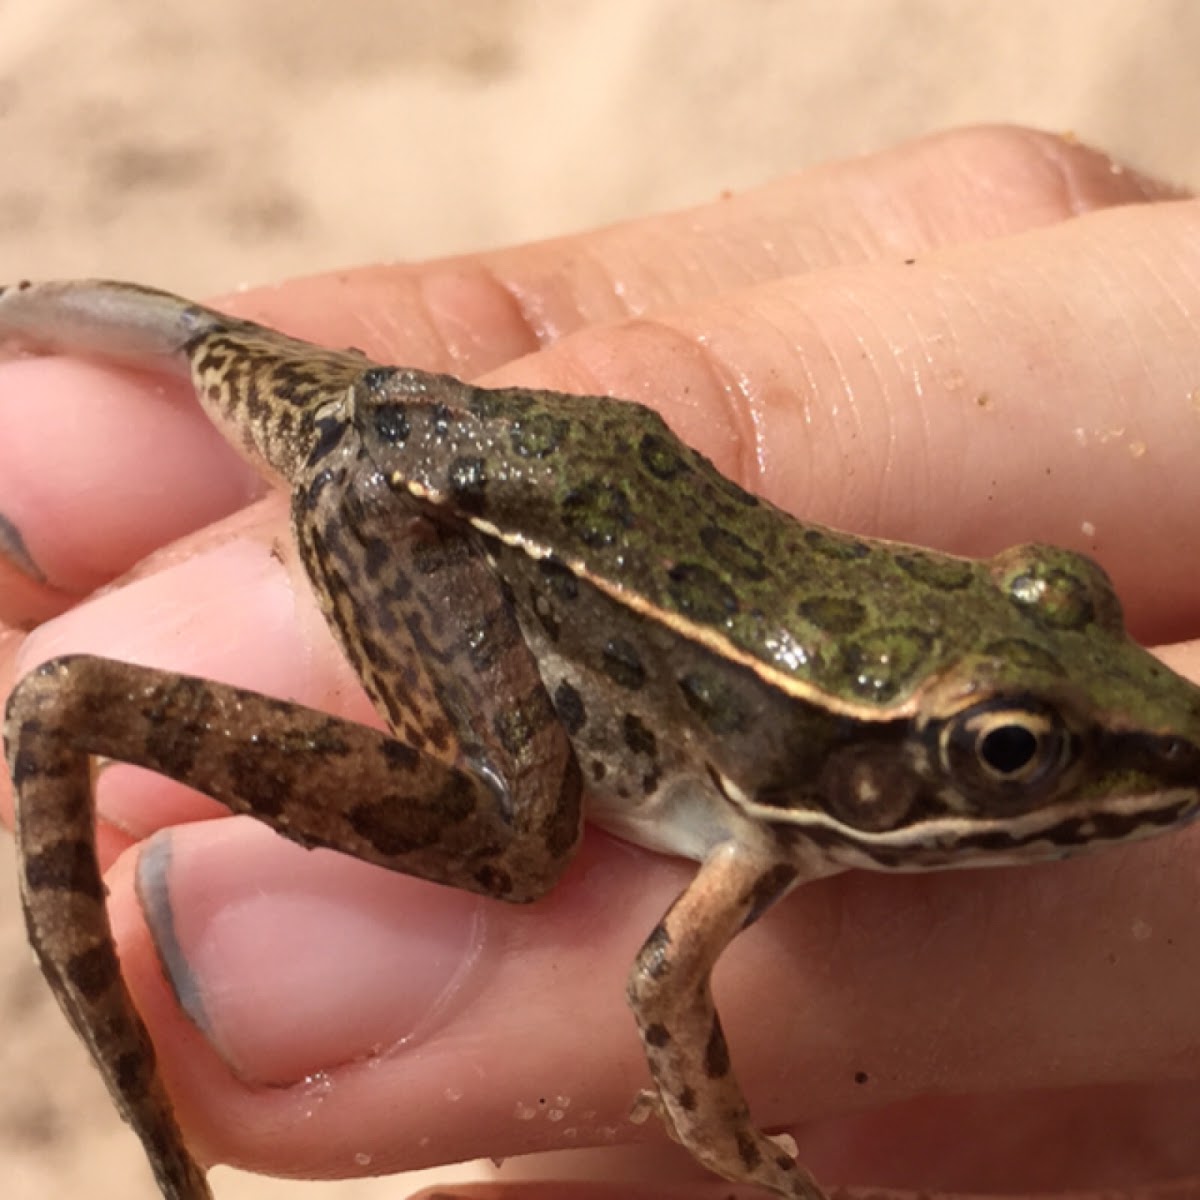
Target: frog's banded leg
(696, 1092)
(319, 780)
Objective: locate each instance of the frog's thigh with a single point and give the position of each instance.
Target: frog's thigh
(317, 779)
(431, 631)
(698, 1095)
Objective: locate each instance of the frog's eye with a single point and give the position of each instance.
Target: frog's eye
(1008, 748)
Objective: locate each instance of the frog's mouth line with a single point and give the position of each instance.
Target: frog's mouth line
(957, 841)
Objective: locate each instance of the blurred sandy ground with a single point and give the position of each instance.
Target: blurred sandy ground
(204, 145)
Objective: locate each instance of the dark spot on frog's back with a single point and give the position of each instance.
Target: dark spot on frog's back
(882, 664)
(662, 456)
(390, 423)
(833, 614)
(376, 556)
(835, 546)
(1018, 653)
(700, 593)
(399, 756)
(597, 512)
(944, 574)
(441, 420)
(733, 554)
(377, 380)
(537, 435)
(467, 477)
(489, 403)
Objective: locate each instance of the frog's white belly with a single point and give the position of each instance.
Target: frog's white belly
(686, 816)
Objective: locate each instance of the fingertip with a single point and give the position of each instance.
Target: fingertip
(293, 963)
(98, 469)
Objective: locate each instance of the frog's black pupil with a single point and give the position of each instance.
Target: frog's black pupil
(1008, 749)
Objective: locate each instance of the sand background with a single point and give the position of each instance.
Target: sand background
(202, 146)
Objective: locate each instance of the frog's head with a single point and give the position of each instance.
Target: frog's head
(1052, 734)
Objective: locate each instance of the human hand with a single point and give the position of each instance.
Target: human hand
(1025, 375)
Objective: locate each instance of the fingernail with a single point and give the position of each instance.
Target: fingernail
(293, 962)
(12, 547)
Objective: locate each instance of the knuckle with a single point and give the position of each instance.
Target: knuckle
(1052, 174)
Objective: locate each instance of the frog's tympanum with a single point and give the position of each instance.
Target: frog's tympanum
(562, 611)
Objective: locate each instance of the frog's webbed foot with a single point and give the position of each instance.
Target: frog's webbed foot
(696, 1093)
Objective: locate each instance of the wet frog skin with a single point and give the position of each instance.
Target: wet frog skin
(561, 610)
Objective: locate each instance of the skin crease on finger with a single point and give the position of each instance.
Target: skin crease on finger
(811, 920)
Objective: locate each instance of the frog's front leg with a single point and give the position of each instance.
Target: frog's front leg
(696, 1092)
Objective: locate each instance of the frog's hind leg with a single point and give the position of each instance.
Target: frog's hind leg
(258, 386)
(122, 322)
(318, 780)
(63, 896)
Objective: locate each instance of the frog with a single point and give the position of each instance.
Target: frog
(563, 612)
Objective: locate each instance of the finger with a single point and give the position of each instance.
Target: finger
(568, 1189)
(1042, 1141)
(471, 314)
(96, 470)
(627, 1190)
